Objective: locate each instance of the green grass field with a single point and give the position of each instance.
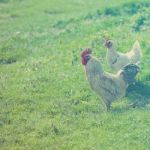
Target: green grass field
(45, 100)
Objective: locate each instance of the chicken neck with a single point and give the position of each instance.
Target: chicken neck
(94, 67)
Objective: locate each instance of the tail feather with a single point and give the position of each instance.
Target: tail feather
(130, 72)
(136, 44)
(136, 48)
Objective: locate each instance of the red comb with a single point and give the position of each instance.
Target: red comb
(86, 51)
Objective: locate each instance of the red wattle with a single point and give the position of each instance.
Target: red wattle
(83, 62)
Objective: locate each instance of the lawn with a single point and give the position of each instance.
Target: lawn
(46, 102)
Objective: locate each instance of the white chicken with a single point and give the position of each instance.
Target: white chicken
(117, 60)
(109, 86)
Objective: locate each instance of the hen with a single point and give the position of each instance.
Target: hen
(117, 60)
(109, 86)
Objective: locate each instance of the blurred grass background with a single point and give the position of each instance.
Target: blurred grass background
(45, 100)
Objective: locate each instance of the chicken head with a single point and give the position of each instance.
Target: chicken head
(85, 55)
(108, 43)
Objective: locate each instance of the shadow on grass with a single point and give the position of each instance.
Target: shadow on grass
(4, 1)
(139, 88)
(118, 110)
(7, 61)
(139, 94)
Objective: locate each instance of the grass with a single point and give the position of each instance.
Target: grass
(45, 100)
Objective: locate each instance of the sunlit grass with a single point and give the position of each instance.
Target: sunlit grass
(45, 100)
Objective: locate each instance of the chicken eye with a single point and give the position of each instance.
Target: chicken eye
(109, 43)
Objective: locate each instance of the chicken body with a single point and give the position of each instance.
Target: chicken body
(117, 60)
(108, 86)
